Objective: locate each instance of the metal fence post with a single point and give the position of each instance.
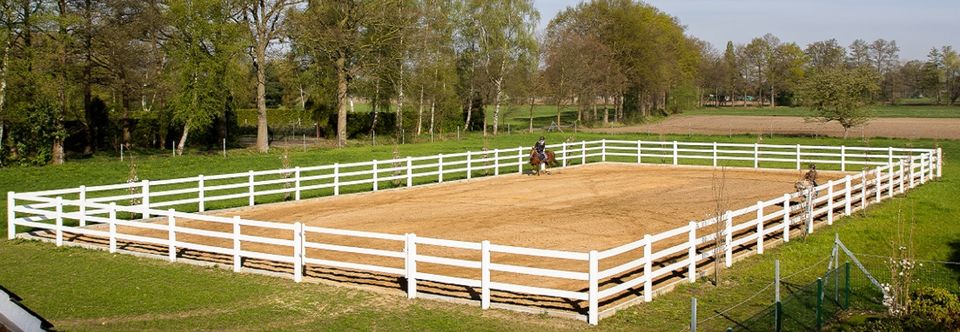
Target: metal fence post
(786, 217)
(83, 206)
(11, 216)
(594, 288)
(778, 320)
(59, 221)
(112, 215)
(692, 253)
(485, 275)
(728, 233)
(201, 206)
(759, 227)
(410, 264)
(846, 285)
(172, 235)
(647, 269)
(819, 304)
(693, 314)
(237, 259)
(145, 200)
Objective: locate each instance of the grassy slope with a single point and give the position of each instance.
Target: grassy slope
(80, 289)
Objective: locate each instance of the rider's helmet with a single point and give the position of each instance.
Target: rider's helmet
(813, 166)
(541, 138)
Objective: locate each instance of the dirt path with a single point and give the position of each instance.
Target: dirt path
(735, 124)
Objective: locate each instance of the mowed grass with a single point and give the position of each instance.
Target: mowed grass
(79, 289)
(885, 111)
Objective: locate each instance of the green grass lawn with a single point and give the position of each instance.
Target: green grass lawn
(79, 289)
(886, 111)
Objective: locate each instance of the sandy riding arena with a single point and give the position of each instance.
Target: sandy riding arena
(783, 125)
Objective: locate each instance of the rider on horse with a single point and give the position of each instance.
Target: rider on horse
(541, 147)
(811, 175)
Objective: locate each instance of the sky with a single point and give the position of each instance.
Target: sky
(916, 25)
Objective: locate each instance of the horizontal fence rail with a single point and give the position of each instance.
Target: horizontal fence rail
(117, 213)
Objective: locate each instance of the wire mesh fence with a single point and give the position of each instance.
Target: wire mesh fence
(804, 306)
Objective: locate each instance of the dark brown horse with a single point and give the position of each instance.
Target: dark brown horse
(536, 162)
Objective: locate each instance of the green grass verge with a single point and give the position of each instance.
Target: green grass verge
(80, 289)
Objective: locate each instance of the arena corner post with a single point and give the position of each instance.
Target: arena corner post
(11, 216)
(410, 265)
(692, 253)
(201, 206)
(83, 206)
(485, 275)
(145, 201)
(171, 236)
(59, 221)
(298, 251)
(594, 289)
(647, 268)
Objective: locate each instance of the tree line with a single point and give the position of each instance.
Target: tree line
(89, 75)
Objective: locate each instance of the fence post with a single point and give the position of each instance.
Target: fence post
(923, 170)
(912, 175)
(675, 152)
(409, 171)
(336, 179)
(692, 253)
(847, 188)
(112, 214)
(798, 157)
(485, 275)
(863, 189)
(932, 167)
(756, 155)
(647, 269)
(830, 202)
(819, 304)
(890, 175)
(440, 168)
(83, 206)
(902, 173)
(594, 288)
(11, 216)
(693, 314)
(519, 160)
(889, 155)
(469, 165)
(603, 149)
(496, 162)
(583, 154)
(846, 285)
(374, 176)
(171, 235)
(297, 252)
(250, 188)
(759, 227)
(410, 264)
(939, 163)
(200, 193)
(786, 217)
(296, 183)
(728, 233)
(778, 320)
(145, 200)
(563, 153)
(714, 154)
(59, 220)
(843, 158)
(639, 151)
(237, 260)
(809, 209)
(879, 188)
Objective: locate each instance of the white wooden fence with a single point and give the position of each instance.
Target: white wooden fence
(874, 174)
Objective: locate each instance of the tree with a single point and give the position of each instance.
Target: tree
(265, 19)
(840, 94)
(825, 54)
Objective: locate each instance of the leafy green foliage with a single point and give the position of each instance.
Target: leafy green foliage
(840, 94)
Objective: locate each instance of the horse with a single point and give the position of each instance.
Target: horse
(541, 165)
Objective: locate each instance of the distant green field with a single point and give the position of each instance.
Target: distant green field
(78, 289)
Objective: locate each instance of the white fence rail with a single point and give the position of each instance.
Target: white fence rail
(114, 212)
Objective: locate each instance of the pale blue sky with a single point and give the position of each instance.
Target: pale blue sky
(916, 25)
